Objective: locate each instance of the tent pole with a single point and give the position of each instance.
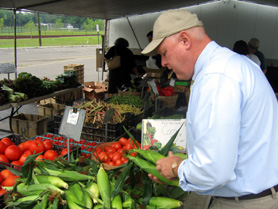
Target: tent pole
(15, 50)
(134, 33)
(103, 47)
(39, 28)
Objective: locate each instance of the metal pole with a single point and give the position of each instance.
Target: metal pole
(15, 51)
(134, 33)
(39, 28)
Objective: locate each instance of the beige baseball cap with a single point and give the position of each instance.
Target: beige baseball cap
(169, 23)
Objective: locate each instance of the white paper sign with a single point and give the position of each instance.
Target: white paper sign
(157, 132)
(73, 117)
(153, 87)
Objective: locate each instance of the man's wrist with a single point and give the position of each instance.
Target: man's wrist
(175, 167)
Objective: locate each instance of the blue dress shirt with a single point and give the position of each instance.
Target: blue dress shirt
(232, 127)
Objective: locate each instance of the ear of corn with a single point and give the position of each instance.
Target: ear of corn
(150, 168)
(104, 187)
(42, 204)
(55, 203)
(150, 155)
(94, 189)
(87, 200)
(72, 201)
(54, 180)
(67, 175)
(117, 202)
(28, 198)
(98, 206)
(181, 155)
(37, 189)
(77, 191)
(164, 202)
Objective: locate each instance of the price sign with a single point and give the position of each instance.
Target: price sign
(172, 82)
(152, 86)
(73, 116)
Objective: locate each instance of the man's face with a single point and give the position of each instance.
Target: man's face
(176, 57)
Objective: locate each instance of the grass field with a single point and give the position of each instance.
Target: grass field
(57, 41)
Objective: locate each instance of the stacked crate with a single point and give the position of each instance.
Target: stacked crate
(78, 68)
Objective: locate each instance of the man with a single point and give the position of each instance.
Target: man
(254, 44)
(232, 118)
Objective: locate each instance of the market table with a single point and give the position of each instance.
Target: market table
(15, 106)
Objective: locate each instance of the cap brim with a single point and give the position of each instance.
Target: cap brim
(150, 50)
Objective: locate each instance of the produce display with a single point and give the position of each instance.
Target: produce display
(27, 86)
(95, 112)
(128, 100)
(85, 183)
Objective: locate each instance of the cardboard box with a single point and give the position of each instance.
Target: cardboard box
(94, 90)
(28, 125)
(154, 73)
(51, 109)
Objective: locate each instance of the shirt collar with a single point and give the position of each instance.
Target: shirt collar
(204, 57)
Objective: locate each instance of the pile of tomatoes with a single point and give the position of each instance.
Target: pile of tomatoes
(7, 179)
(112, 153)
(17, 154)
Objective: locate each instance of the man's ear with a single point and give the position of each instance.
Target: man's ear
(185, 39)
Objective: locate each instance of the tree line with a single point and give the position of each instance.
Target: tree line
(27, 18)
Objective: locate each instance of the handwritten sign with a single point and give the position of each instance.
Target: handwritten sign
(157, 132)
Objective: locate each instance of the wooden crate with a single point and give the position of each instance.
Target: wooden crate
(51, 109)
(168, 101)
(28, 125)
(79, 69)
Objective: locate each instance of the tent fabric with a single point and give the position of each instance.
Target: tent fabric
(106, 9)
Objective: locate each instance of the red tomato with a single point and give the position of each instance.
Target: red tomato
(116, 156)
(26, 145)
(47, 144)
(88, 155)
(28, 152)
(128, 147)
(103, 157)
(7, 141)
(10, 181)
(110, 154)
(13, 152)
(50, 155)
(117, 145)
(21, 146)
(1, 177)
(120, 151)
(39, 158)
(23, 158)
(111, 163)
(6, 173)
(65, 151)
(110, 149)
(123, 141)
(133, 154)
(16, 164)
(118, 162)
(98, 150)
(124, 160)
(2, 147)
(4, 158)
(2, 191)
(36, 147)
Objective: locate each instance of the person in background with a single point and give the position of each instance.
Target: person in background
(157, 57)
(254, 45)
(241, 47)
(231, 121)
(121, 76)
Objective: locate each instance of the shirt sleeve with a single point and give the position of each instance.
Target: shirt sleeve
(213, 124)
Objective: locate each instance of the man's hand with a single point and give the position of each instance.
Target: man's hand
(164, 166)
